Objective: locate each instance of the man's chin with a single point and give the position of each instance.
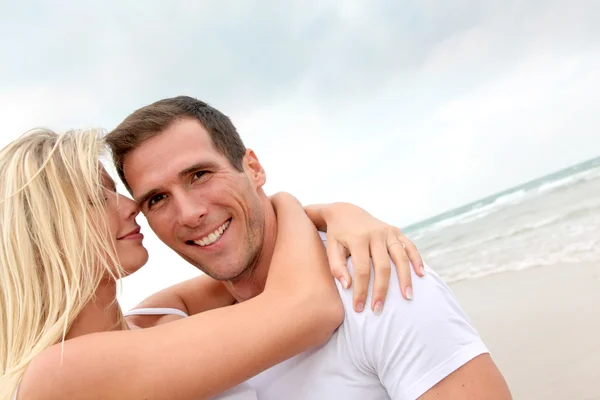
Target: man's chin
(230, 276)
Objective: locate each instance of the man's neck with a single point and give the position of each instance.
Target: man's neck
(101, 314)
(251, 284)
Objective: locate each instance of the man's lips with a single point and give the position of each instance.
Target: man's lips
(134, 234)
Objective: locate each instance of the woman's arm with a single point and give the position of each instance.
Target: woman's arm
(352, 230)
(203, 355)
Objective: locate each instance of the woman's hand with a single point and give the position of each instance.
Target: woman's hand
(353, 231)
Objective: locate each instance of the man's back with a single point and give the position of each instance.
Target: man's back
(400, 354)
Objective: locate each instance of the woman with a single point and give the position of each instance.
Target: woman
(67, 237)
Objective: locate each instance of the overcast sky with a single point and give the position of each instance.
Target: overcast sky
(407, 108)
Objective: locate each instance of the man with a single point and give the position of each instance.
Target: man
(201, 192)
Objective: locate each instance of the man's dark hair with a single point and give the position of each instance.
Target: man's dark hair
(152, 120)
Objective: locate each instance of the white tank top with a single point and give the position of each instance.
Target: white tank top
(240, 392)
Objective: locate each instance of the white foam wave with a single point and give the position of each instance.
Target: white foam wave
(481, 210)
(569, 180)
(477, 212)
(578, 252)
(510, 233)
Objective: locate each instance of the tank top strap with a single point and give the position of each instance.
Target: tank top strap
(155, 311)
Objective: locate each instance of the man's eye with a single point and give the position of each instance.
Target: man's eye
(198, 175)
(155, 199)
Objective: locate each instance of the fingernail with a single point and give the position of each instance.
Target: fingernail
(360, 307)
(344, 283)
(422, 267)
(378, 308)
(409, 294)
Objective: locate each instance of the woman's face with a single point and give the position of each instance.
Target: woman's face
(124, 229)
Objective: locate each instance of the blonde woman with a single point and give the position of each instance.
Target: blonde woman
(66, 239)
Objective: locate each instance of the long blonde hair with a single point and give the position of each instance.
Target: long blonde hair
(54, 243)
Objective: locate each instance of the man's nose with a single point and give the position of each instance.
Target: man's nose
(190, 210)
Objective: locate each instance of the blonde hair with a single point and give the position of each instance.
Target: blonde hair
(54, 243)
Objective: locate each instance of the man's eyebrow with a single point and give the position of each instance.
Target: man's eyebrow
(197, 167)
(146, 196)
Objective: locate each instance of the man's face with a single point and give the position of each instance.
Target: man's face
(197, 202)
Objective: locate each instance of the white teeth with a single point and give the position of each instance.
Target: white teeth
(212, 237)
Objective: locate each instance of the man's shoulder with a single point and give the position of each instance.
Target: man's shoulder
(413, 344)
(434, 309)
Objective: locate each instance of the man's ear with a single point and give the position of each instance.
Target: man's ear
(254, 170)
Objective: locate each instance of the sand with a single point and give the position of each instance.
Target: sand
(542, 327)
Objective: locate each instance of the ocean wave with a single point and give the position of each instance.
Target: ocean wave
(569, 180)
(478, 211)
(579, 252)
(514, 232)
(486, 207)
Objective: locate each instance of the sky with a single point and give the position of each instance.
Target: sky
(407, 109)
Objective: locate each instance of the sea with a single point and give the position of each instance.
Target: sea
(551, 220)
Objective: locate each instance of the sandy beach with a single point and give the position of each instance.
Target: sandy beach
(542, 326)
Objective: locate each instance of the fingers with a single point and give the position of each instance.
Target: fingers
(412, 253)
(336, 255)
(382, 267)
(398, 254)
(378, 247)
(362, 274)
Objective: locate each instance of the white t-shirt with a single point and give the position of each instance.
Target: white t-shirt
(398, 355)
